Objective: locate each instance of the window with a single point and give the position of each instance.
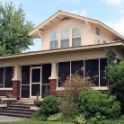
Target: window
(62, 73)
(92, 70)
(65, 38)
(98, 39)
(66, 69)
(103, 64)
(25, 89)
(97, 31)
(76, 37)
(53, 40)
(6, 75)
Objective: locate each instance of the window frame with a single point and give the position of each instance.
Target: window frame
(54, 38)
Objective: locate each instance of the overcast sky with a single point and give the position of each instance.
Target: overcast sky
(111, 12)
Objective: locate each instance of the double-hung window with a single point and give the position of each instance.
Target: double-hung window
(76, 37)
(54, 40)
(65, 38)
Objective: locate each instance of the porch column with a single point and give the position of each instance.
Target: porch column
(16, 81)
(53, 79)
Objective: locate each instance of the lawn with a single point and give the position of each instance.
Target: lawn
(34, 122)
(118, 121)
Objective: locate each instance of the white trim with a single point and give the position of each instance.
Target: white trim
(94, 88)
(6, 89)
(100, 88)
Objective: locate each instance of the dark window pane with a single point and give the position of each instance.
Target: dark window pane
(77, 68)
(45, 90)
(92, 71)
(25, 91)
(46, 72)
(65, 43)
(103, 64)
(64, 72)
(8, 76)
(36, 75)
(25, 74)
(1, 77)
(76, 42)
(35, 89)
(53, 44)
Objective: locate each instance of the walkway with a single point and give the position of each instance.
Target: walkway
(10, 119)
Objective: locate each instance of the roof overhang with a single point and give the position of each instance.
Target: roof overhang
(66, 50)
(58, 16)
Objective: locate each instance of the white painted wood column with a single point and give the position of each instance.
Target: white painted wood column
(53, 71)
(17, 73)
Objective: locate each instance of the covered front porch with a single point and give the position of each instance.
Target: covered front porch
(43, 73)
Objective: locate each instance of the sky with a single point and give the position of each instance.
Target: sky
(111, 12)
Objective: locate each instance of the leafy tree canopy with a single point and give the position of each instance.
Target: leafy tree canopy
(14, 30)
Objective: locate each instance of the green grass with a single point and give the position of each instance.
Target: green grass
(34, 122)
(118, 121)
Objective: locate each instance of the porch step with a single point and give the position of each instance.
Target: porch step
(18, 110)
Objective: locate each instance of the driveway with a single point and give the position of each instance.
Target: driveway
(10, 119)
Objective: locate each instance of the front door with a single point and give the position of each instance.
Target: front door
(35, 81)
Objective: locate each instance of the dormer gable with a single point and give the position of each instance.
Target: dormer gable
(59, 31)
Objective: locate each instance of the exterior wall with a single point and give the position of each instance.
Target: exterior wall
(88, 32)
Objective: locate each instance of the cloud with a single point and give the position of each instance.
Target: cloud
(82, 12)
(113, 2)
(118, 25)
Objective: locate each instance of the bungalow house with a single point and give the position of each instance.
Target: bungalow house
(69, 43)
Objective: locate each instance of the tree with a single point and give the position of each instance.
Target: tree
(115, 74)
(14, 30)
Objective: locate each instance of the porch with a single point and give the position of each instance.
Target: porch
(43, 73)
(28, 81)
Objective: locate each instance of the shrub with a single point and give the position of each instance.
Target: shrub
(94, 102)
(115, 75)
(80, 119)
(55, 117)
(49, 107)
(69, 96)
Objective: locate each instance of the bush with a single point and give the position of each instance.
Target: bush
(115, 75)
(49, 107)
(93, 102)
(80, 119)
(55, 117)
(69, 96)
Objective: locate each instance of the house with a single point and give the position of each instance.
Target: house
(69, 43)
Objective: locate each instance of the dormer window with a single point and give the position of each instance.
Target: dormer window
(54, 40)
(65, 38)
(98, 40)
(76, 37)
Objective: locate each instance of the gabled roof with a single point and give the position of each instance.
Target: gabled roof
(60, 15)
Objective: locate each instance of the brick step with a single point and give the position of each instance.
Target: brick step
(17, 111)
(15, 114)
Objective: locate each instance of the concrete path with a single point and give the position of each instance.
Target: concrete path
(10, 119)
